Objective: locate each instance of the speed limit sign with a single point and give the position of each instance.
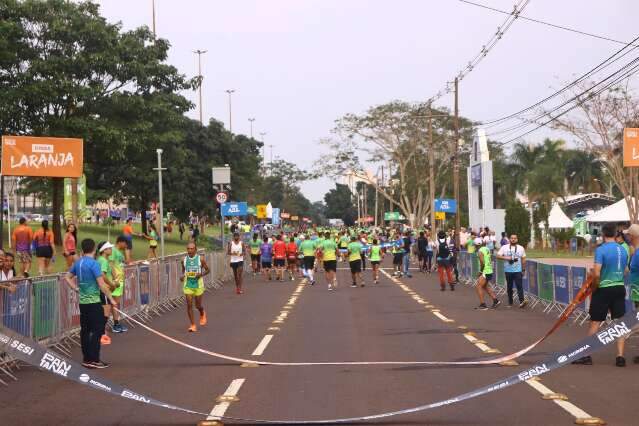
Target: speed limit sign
(221, 197)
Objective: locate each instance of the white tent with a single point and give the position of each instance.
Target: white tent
(617, 212)
(558, 219)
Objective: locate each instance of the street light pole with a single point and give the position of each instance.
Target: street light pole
(262, 134)
(230, 92)
(251, 120)
(153, 9)
(199, 71)
(161, 230)
(456, 164)
(270, 164)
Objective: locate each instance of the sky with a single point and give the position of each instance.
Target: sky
(298, 65)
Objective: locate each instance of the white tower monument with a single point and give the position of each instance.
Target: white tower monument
(481, 211)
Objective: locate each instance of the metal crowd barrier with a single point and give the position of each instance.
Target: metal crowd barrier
(551, 287)
(46, 309)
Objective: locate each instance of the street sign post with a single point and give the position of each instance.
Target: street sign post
(221, 197)
(221, 178)
(440, 216)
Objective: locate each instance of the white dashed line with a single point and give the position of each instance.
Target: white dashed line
(262, 346)
(220, 409)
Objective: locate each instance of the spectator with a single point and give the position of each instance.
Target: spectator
(22, 238)
(7, 271)
(44, 248)
(515, 257)
(70, 242)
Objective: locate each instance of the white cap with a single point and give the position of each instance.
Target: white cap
(478, 241)
(106, 245)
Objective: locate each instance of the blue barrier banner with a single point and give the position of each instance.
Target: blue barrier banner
(16, 309)
(524, 280)
(577, 278)
(531, 267)
(562, 290)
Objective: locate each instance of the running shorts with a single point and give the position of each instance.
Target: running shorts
(356, 266)
(397, 258)
(608, 299)
(489, 277)
(309, 262)
(280, 263)
(330, 265)
(255, 257)
(236, 265)
(292, 261)
(267, 265)
(193, 291)
(374, 262)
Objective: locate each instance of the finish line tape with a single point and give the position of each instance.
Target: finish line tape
(580, 297)
(36, 355)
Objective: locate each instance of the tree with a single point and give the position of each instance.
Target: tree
(518, 222)
(339, 204)
(597, 123)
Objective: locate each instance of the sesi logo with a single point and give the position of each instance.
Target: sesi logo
(21, 347)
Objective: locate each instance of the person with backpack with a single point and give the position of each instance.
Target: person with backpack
(444, 262)
(44, 248)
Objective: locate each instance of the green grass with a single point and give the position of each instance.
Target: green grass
(172, 243)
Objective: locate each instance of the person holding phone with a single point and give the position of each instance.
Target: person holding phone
(514, 257)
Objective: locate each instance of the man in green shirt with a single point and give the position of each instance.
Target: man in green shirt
(328, 250)
(375, 255)
(117, 260)
(485, 275)
(254, 246)
(343, 244)
(307, 247)
(470, 243)
(354, 252)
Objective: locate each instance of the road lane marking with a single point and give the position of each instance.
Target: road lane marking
(262, 346)
(571, 408)
(220, 409)
(442, 317)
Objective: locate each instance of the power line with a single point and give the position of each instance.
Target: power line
(486, 48)
(538, 21)
(604, 64)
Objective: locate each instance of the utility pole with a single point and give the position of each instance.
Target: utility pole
(381, 213)
(262, 134)
(431, 170)
(161, 225)
(153, 10)
(270, 164)
(376, 197)
(199, 73)
(251, 120)
(230, 92)
(456, 165)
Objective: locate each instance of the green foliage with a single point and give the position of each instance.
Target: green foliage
(339, 204)
(563, 235)
(518, 222)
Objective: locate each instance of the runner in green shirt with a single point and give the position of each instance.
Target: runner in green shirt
(328, 250)
(485, 275)
(254, 246)
(307, 247)
(118, 262)
(104, 251)
(354, 251)
(343, 245)
(375, 255)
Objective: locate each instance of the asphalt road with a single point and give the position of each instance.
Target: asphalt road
(383, 322)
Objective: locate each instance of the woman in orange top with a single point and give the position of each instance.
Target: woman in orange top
(45, 248)
(70, 244)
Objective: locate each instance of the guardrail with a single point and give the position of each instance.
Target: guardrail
(46, 309)
(552, 287)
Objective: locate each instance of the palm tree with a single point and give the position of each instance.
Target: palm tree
(583, 172)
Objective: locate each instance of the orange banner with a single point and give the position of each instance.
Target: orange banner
(630, 147)
(42, 156)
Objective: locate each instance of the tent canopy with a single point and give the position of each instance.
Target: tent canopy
(617, 212)
(558, 219)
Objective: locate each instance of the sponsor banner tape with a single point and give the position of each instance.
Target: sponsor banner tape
(36, 355)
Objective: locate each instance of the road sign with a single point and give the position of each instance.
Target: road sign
(295, 218)
(445, 205)
(261, 211)
(221, 175)
(285, 215)
(251, 210)
(392, 216)
(631, 147)
(440, 215)
(234, 209)
(221, 197)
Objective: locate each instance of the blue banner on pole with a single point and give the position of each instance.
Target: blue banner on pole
(578, 276)
(16, 310)
(445, 205)
(235, 209)
(275, 218)
(562, 292)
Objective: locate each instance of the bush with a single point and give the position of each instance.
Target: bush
(563, 235)
(518, 222)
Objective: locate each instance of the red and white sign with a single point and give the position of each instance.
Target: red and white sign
(221, 197)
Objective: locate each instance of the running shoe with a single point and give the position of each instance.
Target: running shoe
(620, 361)
(362, 284)
(88, 364)
(203, 319)
(523, 304)
(117, 328)
(99, 364)
(636, 360)
(496, 303)
(335, 284)
(313, 282)
(354, 285)
(105, 340)
(452, 287)
(482, 307)
(375, 282)
(584, 360)
(192, 328)
(237, 291)
(442, 287)
(330, 287)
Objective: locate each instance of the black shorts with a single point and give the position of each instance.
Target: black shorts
(608, 299)
(489, 277)
(103, 299)
(330, 265)
(374, 262)
(237, 265)
(129, 243)
(309, 262)
(397, 258)
(292, 261)
(255, 257)
(356, 266)
(44, 251)
(279, 263)
(267, 265)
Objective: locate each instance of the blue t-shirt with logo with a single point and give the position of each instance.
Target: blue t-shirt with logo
(613, 260)
(87, 270)
(266, 252)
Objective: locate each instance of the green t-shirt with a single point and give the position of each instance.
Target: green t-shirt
(376, 253)
(193, 266)
(470, 245)
(255, 246)
(105, 267)
(117, 265)
(308, 248)
(329, 248)
(488, 264)
(354, 250)
(343, 242)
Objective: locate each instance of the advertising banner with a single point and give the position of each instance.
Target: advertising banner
(42, 156)
(545, 282)
(445, 205)
(531, 268)
(261, 211)
(577, 278)
(234, 209)
(275, 218)
(83, 212)
(562, 290)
